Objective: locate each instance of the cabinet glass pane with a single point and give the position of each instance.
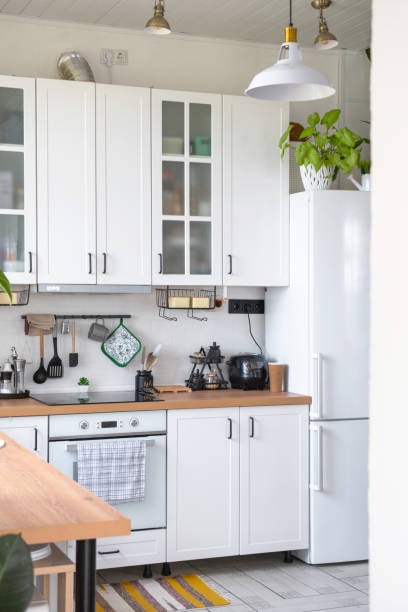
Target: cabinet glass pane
(173, 247)
(200, 190)
(11, 116)
(200, 247)
(173, 128)
(200, 129)
(12, 243)
(173, 188)
(11, 179)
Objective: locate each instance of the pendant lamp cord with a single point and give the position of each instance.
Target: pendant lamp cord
(290, 13)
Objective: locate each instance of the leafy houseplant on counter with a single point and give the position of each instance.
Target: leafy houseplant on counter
(16, 574)
(324, 150)
(83, 384)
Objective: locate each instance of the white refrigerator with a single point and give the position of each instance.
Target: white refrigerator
(319, 326)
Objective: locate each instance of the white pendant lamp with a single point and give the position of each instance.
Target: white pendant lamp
(290, 79)
(158, 24)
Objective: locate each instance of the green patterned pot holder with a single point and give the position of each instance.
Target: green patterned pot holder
(121, 346)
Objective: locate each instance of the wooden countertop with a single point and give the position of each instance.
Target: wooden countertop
(44, 505)
(172, 401)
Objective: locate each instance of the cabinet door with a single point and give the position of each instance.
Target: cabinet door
(274, 479)
(255, 193)
(123, 185)
(31, 432)
(202, 483)
(186, 188)
(66, 182)
(17, 179)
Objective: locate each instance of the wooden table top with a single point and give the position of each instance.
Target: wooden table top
(172, 401)
(44, 505)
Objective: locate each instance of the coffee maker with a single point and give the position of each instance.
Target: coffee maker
(12, 376)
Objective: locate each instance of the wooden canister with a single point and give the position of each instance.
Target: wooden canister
(276, 372)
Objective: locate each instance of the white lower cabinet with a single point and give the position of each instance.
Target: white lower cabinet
(30, 432)
(202, 483)
(274, 476)
(138, 548)
(238, 481)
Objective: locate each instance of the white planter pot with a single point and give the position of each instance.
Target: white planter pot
(83, 390)
(313, 181)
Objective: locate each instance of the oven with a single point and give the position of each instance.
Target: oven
(150, 514)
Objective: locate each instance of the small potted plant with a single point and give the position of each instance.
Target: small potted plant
(83, 384)
(324, 150)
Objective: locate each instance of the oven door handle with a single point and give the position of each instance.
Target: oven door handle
(72, 448)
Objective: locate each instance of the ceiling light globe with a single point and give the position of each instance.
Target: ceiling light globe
(158, 25)
(325, 40)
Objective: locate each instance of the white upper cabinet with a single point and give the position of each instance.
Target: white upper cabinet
(255, 193)
(18, 251)
(186, 188)
(66, 182)
(123, 185)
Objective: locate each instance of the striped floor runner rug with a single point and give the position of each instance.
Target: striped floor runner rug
(185, 592)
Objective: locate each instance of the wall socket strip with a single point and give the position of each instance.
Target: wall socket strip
(114, 57)
(246, 306)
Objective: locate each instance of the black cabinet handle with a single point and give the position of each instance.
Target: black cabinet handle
(104, 263)
(35, 438)
(30, 259)
(108, 552)
(230, 428)
(251, 427)
(161, 263)
(90, 263)
(230, 263)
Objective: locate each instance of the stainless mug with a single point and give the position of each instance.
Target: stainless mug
(98, 331)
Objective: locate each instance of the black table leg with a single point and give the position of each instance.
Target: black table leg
(85, 580)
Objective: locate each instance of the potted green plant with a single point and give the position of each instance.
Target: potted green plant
(324, 150)
(16, 574)
(5, 285)
(83, 384)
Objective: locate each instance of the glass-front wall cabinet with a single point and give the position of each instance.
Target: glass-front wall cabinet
(187, 230)
(17, 179)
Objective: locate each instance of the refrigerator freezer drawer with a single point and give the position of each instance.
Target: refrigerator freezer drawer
(338, 492)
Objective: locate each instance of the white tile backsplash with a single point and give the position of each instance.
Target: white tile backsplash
(179, 339)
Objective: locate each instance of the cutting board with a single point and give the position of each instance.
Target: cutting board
(172, 389)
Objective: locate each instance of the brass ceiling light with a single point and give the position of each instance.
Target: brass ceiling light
(325, 39)
(158, 24)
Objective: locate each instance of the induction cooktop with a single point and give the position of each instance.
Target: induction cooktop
(94, 397)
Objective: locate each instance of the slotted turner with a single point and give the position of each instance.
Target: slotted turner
(54, 369)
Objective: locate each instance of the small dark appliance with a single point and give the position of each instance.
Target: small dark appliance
(248, 372)
(210, 357)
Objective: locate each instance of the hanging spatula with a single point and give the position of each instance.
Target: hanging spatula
(55, 369)
(73, 357)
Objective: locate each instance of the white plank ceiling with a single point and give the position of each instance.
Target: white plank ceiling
(250, 20)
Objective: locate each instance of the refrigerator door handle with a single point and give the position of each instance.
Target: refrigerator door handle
(317, 447)
(317, 389)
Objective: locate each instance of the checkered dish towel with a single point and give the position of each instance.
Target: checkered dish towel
(114, 470)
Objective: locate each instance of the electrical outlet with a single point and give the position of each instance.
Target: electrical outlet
(246, 306)
(114, 57)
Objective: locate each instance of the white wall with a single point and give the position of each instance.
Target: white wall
(389, 303)
(179, 338)
(32, 47)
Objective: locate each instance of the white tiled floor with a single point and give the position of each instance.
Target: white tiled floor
(264, 582)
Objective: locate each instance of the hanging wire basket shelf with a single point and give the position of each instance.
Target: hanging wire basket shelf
(173, 298)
